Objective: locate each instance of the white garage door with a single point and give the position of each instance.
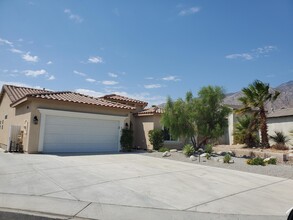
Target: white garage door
(73, 134)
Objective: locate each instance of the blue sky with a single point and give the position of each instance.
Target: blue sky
(145, 49)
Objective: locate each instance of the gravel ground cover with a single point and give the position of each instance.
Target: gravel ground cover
(279, 170)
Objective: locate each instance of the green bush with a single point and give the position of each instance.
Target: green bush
(227, 158)
(272, 161)
(156, 138)
(188, 150)
(208, 156)
(126, 139)
(256, 161)
(209, 149)
(164, 149)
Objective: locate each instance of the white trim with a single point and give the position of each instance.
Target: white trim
(45, 112)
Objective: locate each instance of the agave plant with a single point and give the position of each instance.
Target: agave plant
(279, 138)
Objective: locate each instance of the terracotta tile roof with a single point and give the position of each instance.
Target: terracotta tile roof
(115, 97)
(281, 113)
(151, 111)
(16, 92)
(20, 94)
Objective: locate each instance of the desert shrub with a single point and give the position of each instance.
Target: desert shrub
(209, 149)
(188, 150)
(126, 139)
(163, 149)
(272, 161)
(208, 156)
(227, 158)
(280, 139)
(256, 161)
(156, 138)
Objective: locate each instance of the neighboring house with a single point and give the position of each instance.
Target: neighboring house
(281, 120)
(277, 120)
(46, 121)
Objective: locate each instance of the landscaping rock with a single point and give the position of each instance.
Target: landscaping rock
(231, 161)
(166, 154)
(266, 159)
(173, 150)
(192, 158)
(221, 160)
(220, 152)
(203, 155)
(231, 153)
(180, 151)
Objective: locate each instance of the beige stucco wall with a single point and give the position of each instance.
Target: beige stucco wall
(26, 111)
(65, 106)
(284, 124)
(14, 117)
(143, 124)
(146, 123)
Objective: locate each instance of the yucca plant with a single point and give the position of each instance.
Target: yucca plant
(280, 138)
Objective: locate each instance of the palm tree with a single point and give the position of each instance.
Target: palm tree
(246, 131)
(256, 95)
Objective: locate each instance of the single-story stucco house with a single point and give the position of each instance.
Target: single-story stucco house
(44, 121)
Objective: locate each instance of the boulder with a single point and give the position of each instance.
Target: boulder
(173, 150)
(221, 160)
(166, 154)
(231, 153)
(266, 159)
(180, 151)
(192, 158)
(231, 161)
(203, 155)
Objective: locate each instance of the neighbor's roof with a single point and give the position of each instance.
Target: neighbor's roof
(281, 113)
(18, 95)
(115, 97)
(150, 111)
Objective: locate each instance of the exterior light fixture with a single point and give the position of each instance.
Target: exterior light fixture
(36, 120)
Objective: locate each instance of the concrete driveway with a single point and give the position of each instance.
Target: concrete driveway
(133, 186)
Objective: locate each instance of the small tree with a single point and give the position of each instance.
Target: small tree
(211, 115)
(156, 138)
(178, 117)
(126, 139)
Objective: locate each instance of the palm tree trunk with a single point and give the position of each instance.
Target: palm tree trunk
(264, 129)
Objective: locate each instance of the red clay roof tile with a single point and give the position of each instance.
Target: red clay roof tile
(115, 97)
(17, 94)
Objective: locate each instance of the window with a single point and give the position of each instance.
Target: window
(167, 135)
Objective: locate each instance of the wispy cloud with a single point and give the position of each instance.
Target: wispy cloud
(7, 42)
(171, 78)
(109, 82)
(253, 54)
(13, 50)
(18, 84)
(35, 73)
(95, 59)
(189, 11)
(149, 78)
(79, 73)
(51, 77)
(27, 57)
(113, 75)
(49, 62)
(90, 92)
(76, 18)
(153, 86)
(90, 80)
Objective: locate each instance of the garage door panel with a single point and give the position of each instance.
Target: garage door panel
(69, 134)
